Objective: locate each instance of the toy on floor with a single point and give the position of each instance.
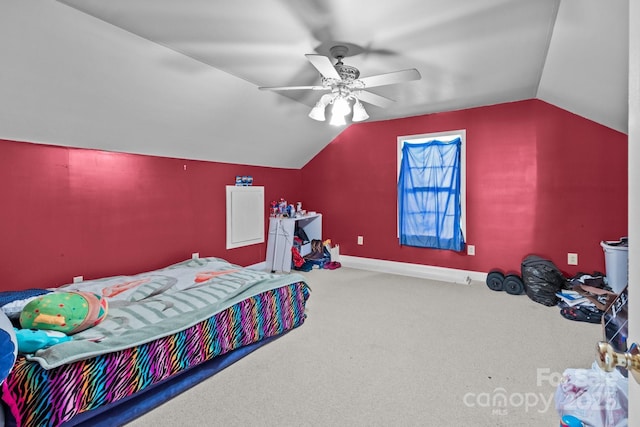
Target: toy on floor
(31, 340)
(570, 421)
(67, 312)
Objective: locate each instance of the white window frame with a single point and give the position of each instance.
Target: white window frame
(442, 136)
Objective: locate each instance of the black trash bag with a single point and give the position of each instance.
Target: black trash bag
(542, 280)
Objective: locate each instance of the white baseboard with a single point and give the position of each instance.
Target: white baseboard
(259, 266)
(413, 270)
(404, 269)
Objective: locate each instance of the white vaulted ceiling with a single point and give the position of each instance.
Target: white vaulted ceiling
(180, 78)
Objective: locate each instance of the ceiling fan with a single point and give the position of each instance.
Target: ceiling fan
(346, 87)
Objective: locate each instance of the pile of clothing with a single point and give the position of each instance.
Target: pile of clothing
(319, 257)
(586, 298)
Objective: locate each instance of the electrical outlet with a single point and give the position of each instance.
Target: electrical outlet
(361, 240)
(195, 255)
(471, 250)
(572, 259)
(78, 279)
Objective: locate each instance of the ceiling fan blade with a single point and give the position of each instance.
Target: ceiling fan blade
(391, 78)
(293, 88)
(374, 99)
(315, 15)
(324, 65)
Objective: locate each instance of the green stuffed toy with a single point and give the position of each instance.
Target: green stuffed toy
(67, 312)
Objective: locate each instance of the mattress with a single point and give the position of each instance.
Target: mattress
(236, 308)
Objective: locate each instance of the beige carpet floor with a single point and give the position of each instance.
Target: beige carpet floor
(388, 350)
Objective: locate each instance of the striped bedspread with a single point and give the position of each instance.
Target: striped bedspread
(148, 306)
(38, 397)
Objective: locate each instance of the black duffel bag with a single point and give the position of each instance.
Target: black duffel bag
(542, 280)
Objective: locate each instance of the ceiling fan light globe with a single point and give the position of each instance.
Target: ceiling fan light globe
(337, 120)
(340, 107)
(317, 113)
(359, 113)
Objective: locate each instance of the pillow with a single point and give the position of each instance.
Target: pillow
(8, 347)
(67, 312)
(10, 296)
(12, 302)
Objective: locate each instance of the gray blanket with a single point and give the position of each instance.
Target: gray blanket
(155, 304)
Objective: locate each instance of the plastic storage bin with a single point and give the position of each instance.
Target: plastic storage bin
(616, 260)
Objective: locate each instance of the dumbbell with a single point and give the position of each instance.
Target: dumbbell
(510, 282)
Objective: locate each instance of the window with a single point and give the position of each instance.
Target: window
(431, 190)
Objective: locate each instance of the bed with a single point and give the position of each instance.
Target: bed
(165, 331)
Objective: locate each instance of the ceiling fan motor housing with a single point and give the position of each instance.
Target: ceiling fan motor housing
(346, 72)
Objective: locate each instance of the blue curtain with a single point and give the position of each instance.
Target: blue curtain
(429, 195)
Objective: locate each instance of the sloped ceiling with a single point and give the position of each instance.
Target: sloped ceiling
(180, 78)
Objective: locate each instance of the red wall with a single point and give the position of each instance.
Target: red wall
(68, 212)
(539, 180)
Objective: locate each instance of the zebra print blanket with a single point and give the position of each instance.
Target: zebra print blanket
(38, 397)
